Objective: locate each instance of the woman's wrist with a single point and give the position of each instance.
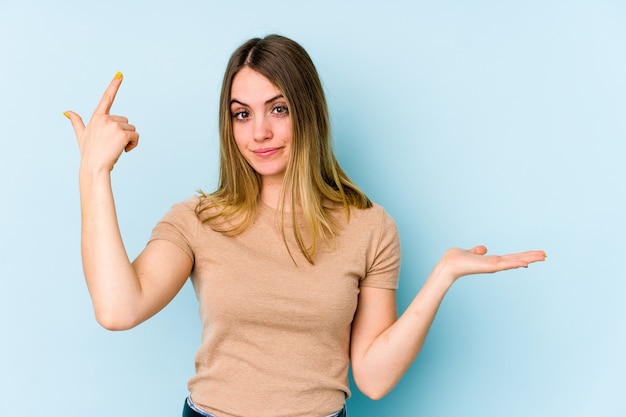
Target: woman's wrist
(441, 274)
(88, 172)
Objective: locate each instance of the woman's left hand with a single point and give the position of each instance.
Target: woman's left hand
(458, 262)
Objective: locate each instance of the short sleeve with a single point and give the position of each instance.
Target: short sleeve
(179, 226)
(384, 267)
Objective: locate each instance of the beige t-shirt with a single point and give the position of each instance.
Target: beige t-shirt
(276, 334)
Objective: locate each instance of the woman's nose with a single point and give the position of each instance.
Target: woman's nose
(262, 129)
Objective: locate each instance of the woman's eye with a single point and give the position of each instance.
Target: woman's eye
(280, 109)
(241, 115)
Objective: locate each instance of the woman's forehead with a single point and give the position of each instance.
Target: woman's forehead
(249, 85)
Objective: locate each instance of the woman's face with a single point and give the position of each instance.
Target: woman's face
(261, 124)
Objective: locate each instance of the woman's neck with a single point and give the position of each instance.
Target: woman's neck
(270, 193)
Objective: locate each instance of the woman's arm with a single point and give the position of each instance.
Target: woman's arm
(123, 294)
(384, 347)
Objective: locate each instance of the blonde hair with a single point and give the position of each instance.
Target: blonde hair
(313, 174)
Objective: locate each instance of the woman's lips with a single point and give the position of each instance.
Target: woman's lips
(265, 152)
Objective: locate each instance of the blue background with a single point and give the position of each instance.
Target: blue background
(473, 122)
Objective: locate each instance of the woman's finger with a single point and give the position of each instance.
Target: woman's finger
(127, 126)
(478, 250)
(104, 106)
(77, 122)
(119, 119)
(529, 256)
(518, 260)
(132, 142)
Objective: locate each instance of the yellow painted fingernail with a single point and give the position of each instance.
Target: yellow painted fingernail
(66, 114)
(118, 75)
(545, 255)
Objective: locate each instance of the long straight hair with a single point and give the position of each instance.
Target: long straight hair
(313, 174)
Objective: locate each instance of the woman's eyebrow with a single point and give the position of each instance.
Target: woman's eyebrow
(276, 97)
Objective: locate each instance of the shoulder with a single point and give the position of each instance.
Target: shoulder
(372, 225)
(189, 204)
(375, 230)
(183, 212)
(375, 216)
(188, 207)
(179, 225)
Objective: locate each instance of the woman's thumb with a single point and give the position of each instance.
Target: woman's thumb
(77, 121)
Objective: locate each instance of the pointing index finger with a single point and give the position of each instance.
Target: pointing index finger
(109, 95)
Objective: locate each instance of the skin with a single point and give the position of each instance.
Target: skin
(124, 294)
(262, 129)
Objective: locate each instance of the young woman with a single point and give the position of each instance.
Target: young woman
(294, 267)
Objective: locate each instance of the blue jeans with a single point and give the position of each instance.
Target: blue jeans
(190, 410)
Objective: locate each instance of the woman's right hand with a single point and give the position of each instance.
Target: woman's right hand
(104, 138)
(124, 294)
